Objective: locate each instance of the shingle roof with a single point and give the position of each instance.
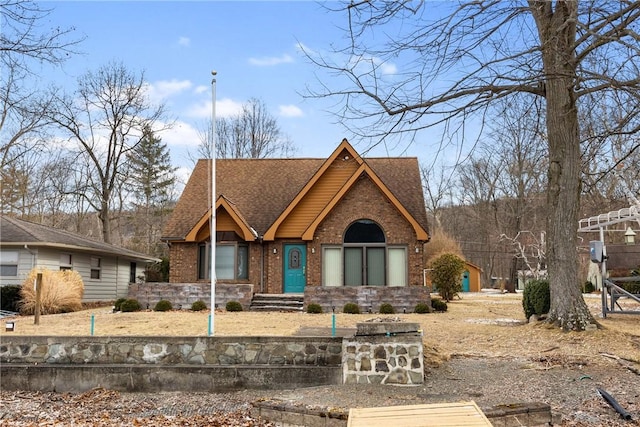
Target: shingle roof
(16, 232)
(262, 188)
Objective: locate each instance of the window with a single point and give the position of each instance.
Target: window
(232, 261)
(364, 254)
(397, 266)
(96, 268)
(332, 266)
(364, 259)
(9, 263)
(65, 262)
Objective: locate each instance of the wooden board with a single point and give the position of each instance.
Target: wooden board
(460, 414)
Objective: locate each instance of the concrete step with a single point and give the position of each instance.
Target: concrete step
(277, 302)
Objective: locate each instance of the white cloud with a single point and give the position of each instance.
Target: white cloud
(181, 134)
(224, 108)
(184, 41)
(371, 62)
(202, 89)
(228, 107)
(388, 68)
(163, 89)
(301, 47)
(290, 111)
(269, 61)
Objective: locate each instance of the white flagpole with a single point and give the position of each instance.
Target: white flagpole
(213, 204)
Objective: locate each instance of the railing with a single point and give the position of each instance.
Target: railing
(611, 293)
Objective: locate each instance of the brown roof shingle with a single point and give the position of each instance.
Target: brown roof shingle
(262, 188)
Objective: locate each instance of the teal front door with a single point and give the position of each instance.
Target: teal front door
(465, 281)
(295, 268)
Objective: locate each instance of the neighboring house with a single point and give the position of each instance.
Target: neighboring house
(471, 278)
(106, 270)
(285, 225)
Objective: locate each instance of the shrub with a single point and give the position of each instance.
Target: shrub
(631, 287)
(199, 305)
(446, 275)
(61, 292)
(351, 308)
(163, 305)
(10, 298)
(233, 306)
(439, 305)
(422, 308)
(588, 287)
(314, 308)
(536, 298)
(130, 305)
(117, 306)
(387, 308)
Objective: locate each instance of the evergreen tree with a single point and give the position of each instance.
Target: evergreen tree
(151, 181)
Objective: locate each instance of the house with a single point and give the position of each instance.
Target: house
(106, 270)
(471, 281)
(294, 225)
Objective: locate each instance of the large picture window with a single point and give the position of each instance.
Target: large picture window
(232, 261)
(364, 259)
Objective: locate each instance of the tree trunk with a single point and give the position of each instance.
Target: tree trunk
(557, 34)
(106, 222)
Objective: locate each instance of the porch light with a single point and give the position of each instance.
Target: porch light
(10, 326)
(629, 236)
(275, 251)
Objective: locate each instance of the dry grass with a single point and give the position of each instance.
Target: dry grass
(61, 292)
(476, 325)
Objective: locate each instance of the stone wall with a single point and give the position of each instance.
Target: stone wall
(210, 363)
(185, 294)
(320, 351)
(368, 298)
(384, 353)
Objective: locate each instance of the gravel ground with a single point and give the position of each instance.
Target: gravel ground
(569, 386)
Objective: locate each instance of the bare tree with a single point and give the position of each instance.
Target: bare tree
(251, 134)
(106, 118)
(25, 44)
(458, 61)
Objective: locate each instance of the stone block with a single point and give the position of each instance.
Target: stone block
(384, 328)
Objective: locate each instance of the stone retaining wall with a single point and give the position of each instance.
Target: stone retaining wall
(185, 294)
(320, 351)
(368, 298)
(384, 353)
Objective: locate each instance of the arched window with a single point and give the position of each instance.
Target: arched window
(364, 254)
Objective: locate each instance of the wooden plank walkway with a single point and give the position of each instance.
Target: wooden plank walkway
(460, 414)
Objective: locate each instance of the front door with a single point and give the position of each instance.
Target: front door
(465, 281)
(295, 268)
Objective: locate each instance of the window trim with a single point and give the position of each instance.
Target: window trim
(66, 266)
(9, 263)
(207, 255)
(97, 269)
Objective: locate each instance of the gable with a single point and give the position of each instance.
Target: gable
(283, 198)
(318, 196)
(326, 188)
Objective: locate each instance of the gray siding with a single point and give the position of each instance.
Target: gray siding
(114, 271)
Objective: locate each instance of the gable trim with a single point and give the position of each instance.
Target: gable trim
(421, 233)
(248, 233)
(270, 234)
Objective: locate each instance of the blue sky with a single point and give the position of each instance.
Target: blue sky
(253, 46)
